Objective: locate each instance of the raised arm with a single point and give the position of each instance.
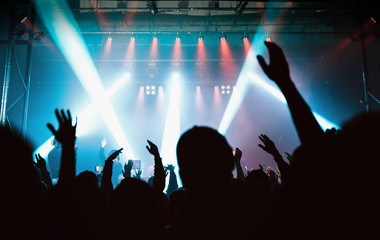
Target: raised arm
(106, 183)
(41, 164)
(173, 185)
(159, 172)
(306, 125)
(66, 136)
(270, 148)
(239, 169)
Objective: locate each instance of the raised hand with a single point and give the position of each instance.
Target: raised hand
(138, 173)
(40, 161)
(152, 149)
(41, 164)
(66, 136)
(66, 131)
(238, 154)
(268, 146)
(278, 69)
(127, 169)
(114, 155)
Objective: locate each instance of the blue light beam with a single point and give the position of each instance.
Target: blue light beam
(60, 22)
(84, 118)
(323, 122)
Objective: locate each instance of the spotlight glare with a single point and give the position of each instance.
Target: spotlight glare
(223, 92)
(223, 87)
(84, 117)
(65, 32)
(172, 125)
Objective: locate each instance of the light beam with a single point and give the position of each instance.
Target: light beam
(60, 22)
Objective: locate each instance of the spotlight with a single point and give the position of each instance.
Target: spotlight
(153, 92)
(223, 39)
(147, 92)
(177, 39)
(200, 39)
(245, 39)
(133, 39)
(223, 87)
(223, 92)
(153, 87)
(147, 87)
(228, 87)
(109, 39)
(154, 39)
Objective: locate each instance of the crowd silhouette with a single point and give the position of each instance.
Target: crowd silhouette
(325, 189)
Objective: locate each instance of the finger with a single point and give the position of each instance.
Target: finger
(63, 115)
(266, 138)
(69, 116)
(262, 63)
(76, 123)
(51, 128)
(35, 155)
(262, 139)
(147, 148)
(58, 116)
(261, 146)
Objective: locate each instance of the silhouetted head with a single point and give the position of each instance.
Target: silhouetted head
(21, 188)
(258, 180)
(202, 152)
(133, 207)
(87, 179)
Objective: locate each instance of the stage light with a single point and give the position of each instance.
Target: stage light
(147, 87)
(133, 39)
(222, 39)
(245, 39)
(177, 39)
(222, 92)
(243, 83)
(172, 125)
(200, 39)
(222, 87)
(65, 31)
(228, 92)
(228, 87)
(323, 122)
